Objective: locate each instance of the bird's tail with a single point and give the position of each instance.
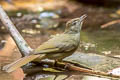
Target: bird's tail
(20, 62)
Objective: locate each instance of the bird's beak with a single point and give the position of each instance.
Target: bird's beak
(82, 17)
(81, 20)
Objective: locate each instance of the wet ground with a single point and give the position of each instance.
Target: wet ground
(36, 29)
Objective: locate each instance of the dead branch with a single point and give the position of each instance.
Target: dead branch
(75, 68)
(71, 67)
(21, 43)
(110, 23)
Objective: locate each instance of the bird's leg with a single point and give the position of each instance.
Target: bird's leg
(59, 65)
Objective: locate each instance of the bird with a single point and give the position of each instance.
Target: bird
(57, 47)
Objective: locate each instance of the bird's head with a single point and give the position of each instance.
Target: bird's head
(74, 25)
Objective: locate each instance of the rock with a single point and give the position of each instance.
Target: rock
(94, 61)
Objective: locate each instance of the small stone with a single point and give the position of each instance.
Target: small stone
(117, 56)
(106, 52)
(30, 31)
(19, 14)
(114, 15)
(115, 71)
(23, 31)
(88, 45)
(37, 26)
(34, 21)
(45, 77)
(2, 27)
(118, 12)
(93, 78)
(40, 9)
(48, 15)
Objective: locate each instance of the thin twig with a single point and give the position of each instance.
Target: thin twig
(21, 43)
(110, 23)
(71, 67)
(75, 68)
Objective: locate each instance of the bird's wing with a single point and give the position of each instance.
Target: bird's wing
(46, 48)
(56, 44)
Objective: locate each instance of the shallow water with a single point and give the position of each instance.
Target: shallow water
(101, 41)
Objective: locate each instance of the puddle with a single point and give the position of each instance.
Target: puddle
(101, 41)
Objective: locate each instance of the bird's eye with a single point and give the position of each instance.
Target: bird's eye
(74, 23)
